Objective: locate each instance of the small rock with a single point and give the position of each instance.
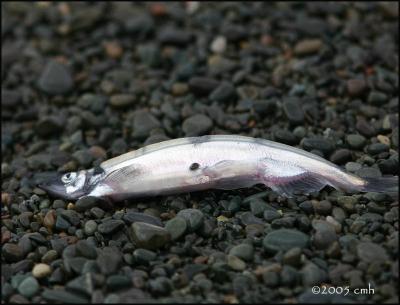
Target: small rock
(377, 98)
(243, 251)
(365, 128)
(174, 36)
(258, 206)
(236, 263)
(12, 252)
(110, 226)
(86, 203)
(308, 46)
(113, 49)
(202, 85)
(341, 156)
(28, 287)
(356, 87)
(144, 256)
(324, 145)
(325, 234)
(224, 93)
(122, 100)
(218, 45)
(148, 236)
(143, 123)
(197, 125)
(293, 110)
(85, 249)
(323, 207)
(194, 218)
(371, 252)
(132, 217)
(176, 227)
(292, 257)
(285, 239)
(312, 275)
(90, 227)
(55, 79)
(41, 271)
(377, 148)
(356, 141)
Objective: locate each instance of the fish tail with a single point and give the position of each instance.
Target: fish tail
(385, 184)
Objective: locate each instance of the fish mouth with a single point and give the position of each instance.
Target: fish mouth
(51, 183)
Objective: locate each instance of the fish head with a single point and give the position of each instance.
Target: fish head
(70, 186)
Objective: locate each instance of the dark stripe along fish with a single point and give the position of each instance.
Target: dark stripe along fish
(211, 162)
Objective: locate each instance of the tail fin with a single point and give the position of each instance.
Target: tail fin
(385, 184)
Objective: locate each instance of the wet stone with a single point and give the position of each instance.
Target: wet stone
(143, 123)
(341, 156)
(293, 110)
(324, 145)
(377, 148)
(193, 217)
(117, 282)
(236, 263)
(356, 87)
(308, 46)
(257, 207)
(365, 128)
(122, 100)
(243, 251)
(132, 217)
(148, 236)
(55, 79)
(90, 227)
(225, 92)
(356, 141)
(176, 227)
(377, 98)
(324, 234)
(202, 85)
(285, 137)
(28, 287)
(71, 216)
(58, 295)
(62, 224)
(41, 270)
(86, 203)
(12, 252)
(371, 252)
(144, 256)
(83, 284)
(48, 126)
(247, 218)
(85, 249)
(174, 36)
(197, 125)
(285, 239)
(110, 226)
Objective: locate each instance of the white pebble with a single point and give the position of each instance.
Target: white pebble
(41, 270)
(192, 6)
(218, 45)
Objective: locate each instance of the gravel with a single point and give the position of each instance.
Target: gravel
(82, 83)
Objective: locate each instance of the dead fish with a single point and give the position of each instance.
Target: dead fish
(211, 162)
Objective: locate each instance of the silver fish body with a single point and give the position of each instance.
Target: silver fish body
(214, 162)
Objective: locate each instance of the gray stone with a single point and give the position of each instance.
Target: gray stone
(176, 227)
(148, 236)
(285, 239)
(194, 218)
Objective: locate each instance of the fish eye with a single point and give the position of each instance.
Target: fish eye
(68, 177)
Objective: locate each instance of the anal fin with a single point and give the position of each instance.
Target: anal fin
(299, 184)
(290, 180)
